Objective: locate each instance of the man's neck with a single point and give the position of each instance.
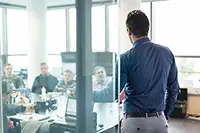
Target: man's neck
(66, 82)
(138, 38)
(47, 74)
(9, 75)
(101, 81)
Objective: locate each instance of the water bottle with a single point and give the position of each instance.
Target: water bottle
(43, 93)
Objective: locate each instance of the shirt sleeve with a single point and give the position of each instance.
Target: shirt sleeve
(104, 95)
(172, 89)
(13, 109)
(123, 75)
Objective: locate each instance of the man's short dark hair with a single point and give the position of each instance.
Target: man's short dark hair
(69, 71)
(43, 63)
(7, 64)
(138, 23)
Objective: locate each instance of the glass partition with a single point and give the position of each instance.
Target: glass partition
(1, 30)
(1, 109)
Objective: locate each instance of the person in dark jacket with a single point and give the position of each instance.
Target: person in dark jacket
(44, 79)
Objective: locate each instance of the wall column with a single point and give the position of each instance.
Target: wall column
(36, 37)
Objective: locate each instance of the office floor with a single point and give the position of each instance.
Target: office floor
(184, 126)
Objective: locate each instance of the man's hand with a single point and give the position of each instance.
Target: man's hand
(29, 108)
(121, 96)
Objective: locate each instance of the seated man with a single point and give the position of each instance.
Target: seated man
(44, 79)
(101, 79)
(15, 81)
(68, 83)
(9, 109)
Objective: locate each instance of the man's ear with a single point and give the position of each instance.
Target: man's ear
(128, 31)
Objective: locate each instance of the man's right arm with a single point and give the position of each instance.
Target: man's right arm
(172, 89)
(11, 109)
(105, 95)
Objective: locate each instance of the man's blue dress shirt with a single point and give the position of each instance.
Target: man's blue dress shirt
(147, 72)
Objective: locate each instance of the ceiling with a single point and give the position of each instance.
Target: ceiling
(49, 2)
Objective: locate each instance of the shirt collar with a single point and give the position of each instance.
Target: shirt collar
(142, 40)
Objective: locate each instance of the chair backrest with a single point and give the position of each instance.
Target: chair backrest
(183, 95)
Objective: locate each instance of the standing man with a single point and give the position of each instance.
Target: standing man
(44, 79)
(147, 71)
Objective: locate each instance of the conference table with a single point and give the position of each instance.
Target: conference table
(108, 114)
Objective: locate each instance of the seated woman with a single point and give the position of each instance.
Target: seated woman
(68, 83)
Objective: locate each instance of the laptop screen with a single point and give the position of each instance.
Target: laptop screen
(71, 106)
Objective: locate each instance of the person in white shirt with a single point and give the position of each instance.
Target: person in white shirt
(101, 79)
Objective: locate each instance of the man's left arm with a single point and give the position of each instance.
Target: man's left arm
(123, 75)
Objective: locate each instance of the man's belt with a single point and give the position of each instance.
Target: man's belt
(130, 115)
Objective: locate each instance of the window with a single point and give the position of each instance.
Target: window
(189, 70)
(55, 65)
(113, 28)
(98, 28)
(72, 29)
(178, 28)
(56, 31)
(14, 60)
(146, 8)
(1, 31)
(54, 60)
(17, 31)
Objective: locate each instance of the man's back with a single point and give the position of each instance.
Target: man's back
(148, 67)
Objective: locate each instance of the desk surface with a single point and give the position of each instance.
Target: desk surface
(107, 114)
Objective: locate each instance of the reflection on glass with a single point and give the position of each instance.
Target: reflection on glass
(17, 22)
(179, 30)
(56, 31)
